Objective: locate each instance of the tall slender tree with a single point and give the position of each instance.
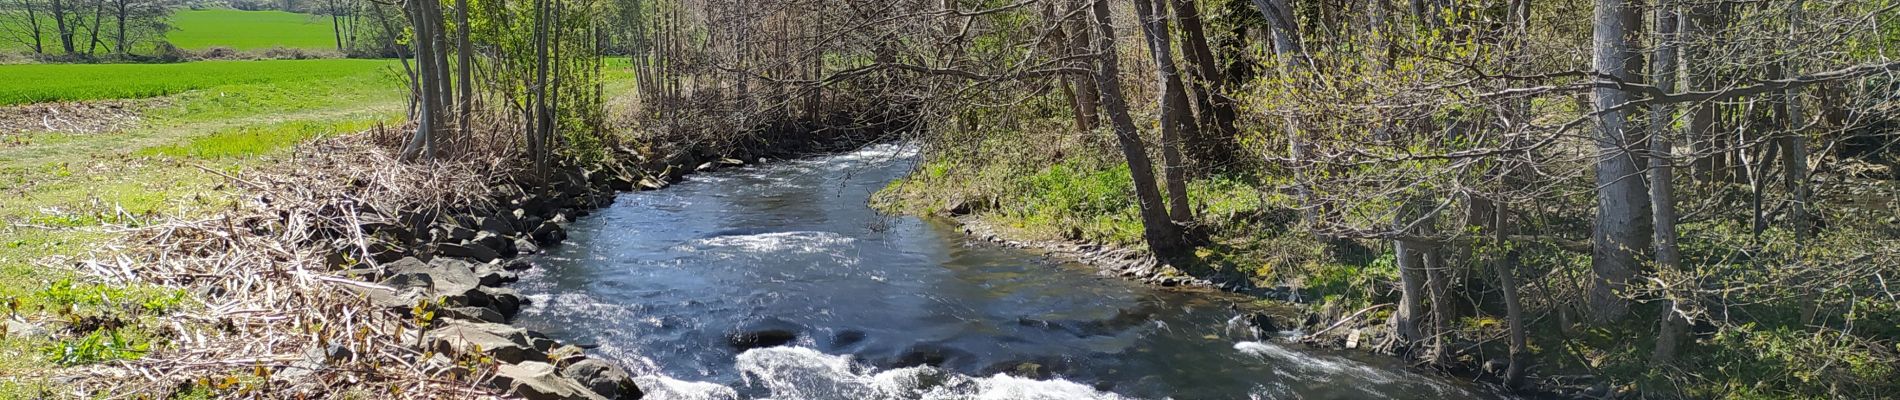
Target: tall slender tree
(1173, 109)
(1622, 228)
(1163, 236)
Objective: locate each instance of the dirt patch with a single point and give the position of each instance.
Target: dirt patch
(79, 117)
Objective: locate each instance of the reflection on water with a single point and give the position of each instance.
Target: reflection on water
(893, 307)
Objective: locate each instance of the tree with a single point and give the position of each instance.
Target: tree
(1172, 106)
(1621, 233)
(1163, 236)
(1216, 109)
(1662, 195)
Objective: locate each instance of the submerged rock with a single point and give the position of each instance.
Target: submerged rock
(847, 338)
(931, 354)
(762, 332)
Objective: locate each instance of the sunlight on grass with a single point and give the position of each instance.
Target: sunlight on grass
(35, 83)
(249, 30)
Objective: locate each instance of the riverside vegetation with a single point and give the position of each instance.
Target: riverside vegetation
(1616, 199)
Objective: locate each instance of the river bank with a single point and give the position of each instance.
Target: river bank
(344, 272)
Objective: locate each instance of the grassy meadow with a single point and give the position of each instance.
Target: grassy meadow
(35, 83)
(204, 29)
(249, 30)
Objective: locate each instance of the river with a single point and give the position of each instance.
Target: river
(896, 307)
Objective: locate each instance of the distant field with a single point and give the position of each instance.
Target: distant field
(33, 83)
(202, 29)
(249, 30)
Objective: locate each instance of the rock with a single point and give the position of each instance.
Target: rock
(473, 251)
(441, 277)
(847, 338)
(526, 247)
(473, 313)
(502, 342)
(544, 344)
(518, 265)
(931, 354)
(338, 353)
(502, 245)
(438, 364)
(453, 233)
(762, 332)
(549, 233)
(566, 354)
(1262, 324)
(604, 379)
(498, 225)
(536, 380)
(506, 301)
(492, 275)
(14, 328)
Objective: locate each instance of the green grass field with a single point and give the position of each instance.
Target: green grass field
(33, 83)
(249, 30)
(203, 29)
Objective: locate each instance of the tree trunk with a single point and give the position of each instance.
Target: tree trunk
(465, 63)
(1794, 147)
(424, 140)
(1217, 143)
(118, 39)
(1288, 51)
(1087, 97)
(1622, 229)
(336, 25)
(1163, 236)
(33, 23)
(1172, 107)
(64, 27)
(1662, 191)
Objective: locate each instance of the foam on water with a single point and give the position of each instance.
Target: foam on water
(1305, 366)
(809, 242)
(798, 373)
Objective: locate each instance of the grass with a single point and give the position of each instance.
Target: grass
(60, 191)
(203, 29)
(33, 83)
(249, 30)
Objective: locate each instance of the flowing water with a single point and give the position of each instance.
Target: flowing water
(895, 307)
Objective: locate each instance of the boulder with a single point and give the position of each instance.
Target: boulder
(847, 338)
(536, 380)
(440, 277)
(453, 233)
(472, 251)
(506, 301)
(762, 332)
(931, 354)
(473, 313)
(517, 265)
(500, 224)
(603, 378)
(504, 343)
(1263, 324)
(502, 245)
(526, 247)
(549, 233)
(493, 274)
